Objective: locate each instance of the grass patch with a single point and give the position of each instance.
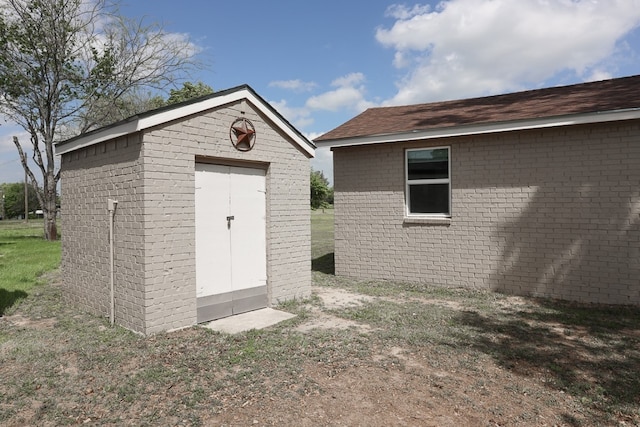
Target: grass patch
(405, 323)
(24, 257)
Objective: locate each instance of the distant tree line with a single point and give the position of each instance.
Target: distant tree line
(135, 103)
(12, 200)
(321, 192)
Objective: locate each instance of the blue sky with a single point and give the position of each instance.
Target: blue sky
(321, 62)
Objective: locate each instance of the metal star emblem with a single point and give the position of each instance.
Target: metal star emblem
(242, 134)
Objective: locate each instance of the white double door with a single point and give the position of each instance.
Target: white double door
(231, 261)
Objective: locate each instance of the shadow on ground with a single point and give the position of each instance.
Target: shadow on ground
(9, 298)
(591, 352)
(324, 264)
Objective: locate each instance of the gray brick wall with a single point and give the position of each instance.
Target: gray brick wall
(553, 213)
(169, 154)
(90, 177)
(155, 221)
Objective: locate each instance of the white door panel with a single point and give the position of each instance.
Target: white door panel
(248, 234)
(230, 253)
(213, 257)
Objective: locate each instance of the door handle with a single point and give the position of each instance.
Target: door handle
(229, 218)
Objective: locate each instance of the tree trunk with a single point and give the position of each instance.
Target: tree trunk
(49, 210)
(50, 227)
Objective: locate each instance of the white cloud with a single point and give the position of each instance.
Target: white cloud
(335, 100)
(294, 85)
(6, 144)
(323, 161)
(313, 135)
(10, 167)
(299, 117)
(7, 131)
(401, 11)
(348, 95)
(10, 170)
(351, 79)
(476, 47)
(597, 75)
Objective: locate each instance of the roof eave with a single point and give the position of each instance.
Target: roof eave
(140, 123)
(485, 128)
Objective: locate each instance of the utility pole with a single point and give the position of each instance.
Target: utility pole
(2, 201)
(26, 198)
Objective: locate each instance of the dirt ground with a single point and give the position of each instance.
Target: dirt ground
(396, 396)
(144, 381)
(401, 387)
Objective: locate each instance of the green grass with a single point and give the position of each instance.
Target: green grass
(24, 257)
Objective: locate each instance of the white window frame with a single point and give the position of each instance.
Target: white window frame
(426, 181)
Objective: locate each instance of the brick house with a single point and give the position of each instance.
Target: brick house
(532, 193)
(208, 201)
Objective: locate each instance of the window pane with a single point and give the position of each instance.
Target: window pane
(428, 164)
(429, 199)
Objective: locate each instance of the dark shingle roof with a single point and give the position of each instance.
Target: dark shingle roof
(607, 95)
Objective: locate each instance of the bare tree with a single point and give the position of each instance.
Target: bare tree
(66, 66)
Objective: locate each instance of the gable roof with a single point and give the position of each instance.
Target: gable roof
(169, 113)
(608, 100)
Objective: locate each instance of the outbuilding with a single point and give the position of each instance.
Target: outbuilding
(530, 193)
(188, 213)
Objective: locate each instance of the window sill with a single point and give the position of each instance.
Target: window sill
(427, 220)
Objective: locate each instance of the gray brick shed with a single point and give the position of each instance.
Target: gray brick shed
(208, 201)
(531, 193)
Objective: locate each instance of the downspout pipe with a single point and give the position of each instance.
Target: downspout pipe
(111, 207)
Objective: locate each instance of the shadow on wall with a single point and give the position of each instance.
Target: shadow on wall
(574, 242)
(324, 264)
(9, 298)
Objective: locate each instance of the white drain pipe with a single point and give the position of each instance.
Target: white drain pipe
(111, 206)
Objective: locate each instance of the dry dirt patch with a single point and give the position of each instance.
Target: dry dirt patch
(339, 299)
(25, 322)
(406, 392)
(335, 299)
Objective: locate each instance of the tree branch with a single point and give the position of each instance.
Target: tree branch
(27, 170)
